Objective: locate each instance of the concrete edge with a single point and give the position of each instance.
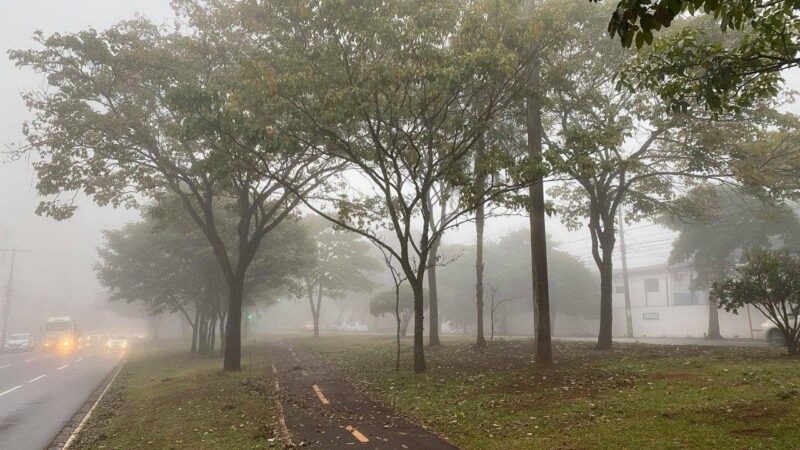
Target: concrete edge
(69, 433)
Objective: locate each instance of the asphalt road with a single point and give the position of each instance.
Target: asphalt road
(39, 393)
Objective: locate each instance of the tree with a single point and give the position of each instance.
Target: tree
(162, 270)
(770, 282)
(385, 302)
(341, 260)
(439, 197)
(134, 112)
(686, 67)
(572, 285)
(616, 145)
(165, 263)
(402, 97)
(717, 225)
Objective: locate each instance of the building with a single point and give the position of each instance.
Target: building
(664, 305)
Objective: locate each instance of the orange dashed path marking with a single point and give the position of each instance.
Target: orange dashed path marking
(356, 434)
(321, 396)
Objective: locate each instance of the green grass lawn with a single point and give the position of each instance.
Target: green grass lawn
(169, 400)
(635, 396)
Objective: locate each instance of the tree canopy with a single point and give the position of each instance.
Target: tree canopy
(691, 66)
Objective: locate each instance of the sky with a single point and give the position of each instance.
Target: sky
(53, 275)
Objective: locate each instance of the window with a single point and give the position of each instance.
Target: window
(621, 289)
(682, 298)
(680, 276)
(651, 285)
(650, 316)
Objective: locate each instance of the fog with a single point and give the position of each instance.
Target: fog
(53, 275)
(399, 223)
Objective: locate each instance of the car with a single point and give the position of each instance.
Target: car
(92, 340)
(308, 326)
(20, 342)
(354, 327)
(772, 334)
(117, 343)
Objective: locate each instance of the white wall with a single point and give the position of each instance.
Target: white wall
(685, 321)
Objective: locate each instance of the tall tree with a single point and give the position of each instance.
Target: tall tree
(617, 145)
(394, 93)
(136, 111)
(717, 225)
(573, 286)
(439, 197)
(341, 261)
(164, 262)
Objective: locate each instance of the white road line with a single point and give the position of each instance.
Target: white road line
(63, 367)
(37, 378)
(90, 354)
(7, 365)
(79, 360)
(10, 390)
(274, 370)
(28, 360)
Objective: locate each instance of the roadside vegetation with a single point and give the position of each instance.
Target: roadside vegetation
(168, 399)
(677, 396)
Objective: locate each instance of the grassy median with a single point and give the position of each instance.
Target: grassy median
(635, 396)
(167, 399)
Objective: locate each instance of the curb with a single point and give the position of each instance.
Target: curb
(74, 435)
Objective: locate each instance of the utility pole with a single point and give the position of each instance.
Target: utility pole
(7, 304)
(626, 284)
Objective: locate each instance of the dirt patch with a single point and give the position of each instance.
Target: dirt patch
(752, 432)
(330, 426)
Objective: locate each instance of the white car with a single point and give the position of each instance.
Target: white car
(117, 342)
(21, 342)
(354, 327)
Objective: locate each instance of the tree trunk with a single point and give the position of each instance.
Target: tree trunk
(404, 328)
(791, 344)
(195, 331)
(713, 318)
(314, 308)
(233, 329)
(317, 312)
(433, 297)
(541, 289)
(491, 325)
(221, 335)
(202, 336)
(480, 219)
(605, 336)
(212, 332)
(399, 324)
(419, 326)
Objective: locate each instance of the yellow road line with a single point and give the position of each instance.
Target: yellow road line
(356, 434)
(321, 396)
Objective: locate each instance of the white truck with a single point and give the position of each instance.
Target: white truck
(60, 334)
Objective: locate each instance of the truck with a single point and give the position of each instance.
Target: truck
(60, 334)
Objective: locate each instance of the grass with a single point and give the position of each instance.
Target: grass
(635, 396)
(168, 399)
